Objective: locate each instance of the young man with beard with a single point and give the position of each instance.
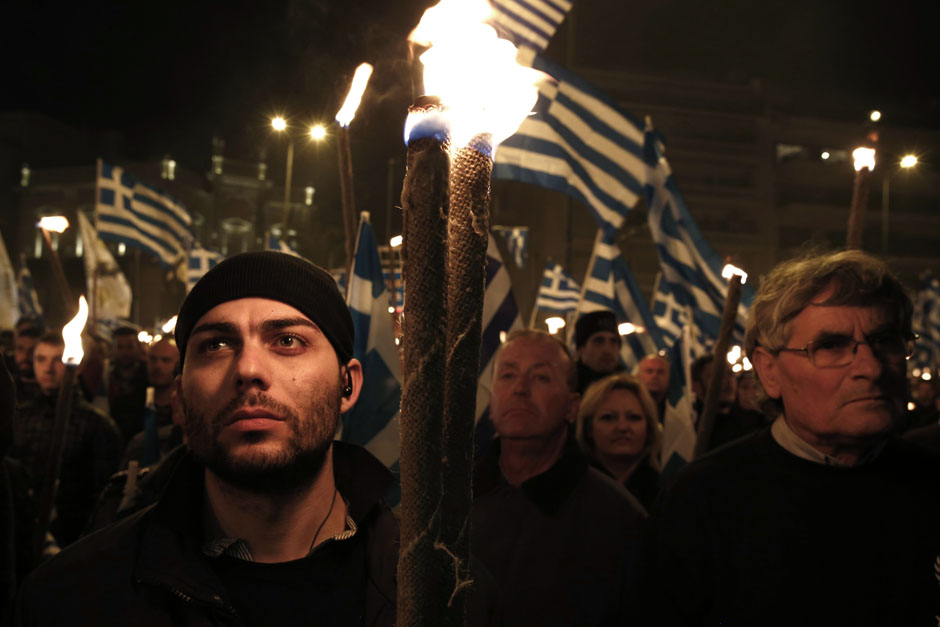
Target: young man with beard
(266, 520)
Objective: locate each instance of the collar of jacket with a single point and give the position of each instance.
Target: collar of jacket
(549, 490)
(171, 540)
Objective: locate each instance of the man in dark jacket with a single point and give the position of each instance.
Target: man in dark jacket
(92, 449)
(558, 536)
(265, 520)
(597, 342)
(827, 517)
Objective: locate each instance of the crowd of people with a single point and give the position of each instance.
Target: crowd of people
(201, 483)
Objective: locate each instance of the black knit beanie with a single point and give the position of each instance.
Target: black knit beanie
(589, 324)
(276, 276)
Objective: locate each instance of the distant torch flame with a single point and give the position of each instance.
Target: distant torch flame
(626, 328)
(169, 326)
(360, 79)
(554, 324)
(473, 72)
(729, 271)
(72, 334)
(864, 158)
(56, 224)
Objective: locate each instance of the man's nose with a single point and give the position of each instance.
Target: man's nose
(251, 367)
(866, 362)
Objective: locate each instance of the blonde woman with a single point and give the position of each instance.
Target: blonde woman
(618, 430)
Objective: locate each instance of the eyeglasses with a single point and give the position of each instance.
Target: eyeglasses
(837, 351)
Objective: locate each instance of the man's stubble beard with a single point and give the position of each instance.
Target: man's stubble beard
(293, 468)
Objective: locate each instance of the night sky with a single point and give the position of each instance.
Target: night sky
(172, 75)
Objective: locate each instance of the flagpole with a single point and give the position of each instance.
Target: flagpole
(729, 316)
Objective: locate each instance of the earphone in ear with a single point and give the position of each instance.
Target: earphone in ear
(347, 389)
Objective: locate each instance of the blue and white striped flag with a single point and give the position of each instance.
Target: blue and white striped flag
(339, 275)
(201, 260)
(528, 23)
(577, 142)
(926, 323)
(500, 317)
(558, 293)
(690, 268)
(393, 277)
(517, 240)
(28, 300)
(134, 214)
(373, 422)
(273, 242)
(609, 285)
(679, 437)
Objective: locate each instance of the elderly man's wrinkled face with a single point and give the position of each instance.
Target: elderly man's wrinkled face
(837, 406)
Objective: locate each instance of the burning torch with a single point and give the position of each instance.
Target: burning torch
(72, 358)
(481, 95)
(344, 118)
(864, 161)
(706, 424)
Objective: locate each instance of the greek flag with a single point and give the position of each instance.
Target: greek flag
(134, 214)
(374, 420)
(577, 142)
(691, 271)
(558, 293)
(679, 436)
(500, 317)
(398, 288)
(517, 239)
(273, 242)
(609, 285)
(201, 260)
(106, 285)
(926, 325)
(528, 23)
(28, 300)
(339, 275)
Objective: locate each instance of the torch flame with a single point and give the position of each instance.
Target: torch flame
(729, 271)
(56, 224)
(72, 334)
(864, 158)
(360, 79)
(473, 72)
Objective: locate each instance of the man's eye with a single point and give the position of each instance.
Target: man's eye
(837, 343)
(289, 341)
(213, 345)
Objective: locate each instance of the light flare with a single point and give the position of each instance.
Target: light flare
(626, 328)
(169, 326)
(474, 72)
(864, 158)
(56, 224)
(734, 355)
(908, 161)
(144, 337)
(395, 242)
(360, 80)
(747, 364)
(72, 334)
(729, 271)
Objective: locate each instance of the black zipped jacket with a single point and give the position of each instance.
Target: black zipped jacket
(149, 569)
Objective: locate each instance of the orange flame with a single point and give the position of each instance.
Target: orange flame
(473, 72)
(360, 80)
(72, 334)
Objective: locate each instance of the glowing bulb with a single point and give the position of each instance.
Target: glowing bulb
(317, 132)
(747, 364)
(908, 161)
(144, 337)
(875, 115)
(279, 123)
(825, 155)
(926, 376)
(736, 368)
(734, 354)
(911, 406)
(391, 309)
(395, 242)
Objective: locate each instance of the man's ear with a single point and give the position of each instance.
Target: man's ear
(767, 371)
(353, 371)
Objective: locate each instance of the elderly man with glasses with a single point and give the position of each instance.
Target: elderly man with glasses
(827, 517)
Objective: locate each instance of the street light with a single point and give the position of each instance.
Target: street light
(316, 133)
(906, 163)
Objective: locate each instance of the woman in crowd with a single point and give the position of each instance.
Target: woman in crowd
(618, 430)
